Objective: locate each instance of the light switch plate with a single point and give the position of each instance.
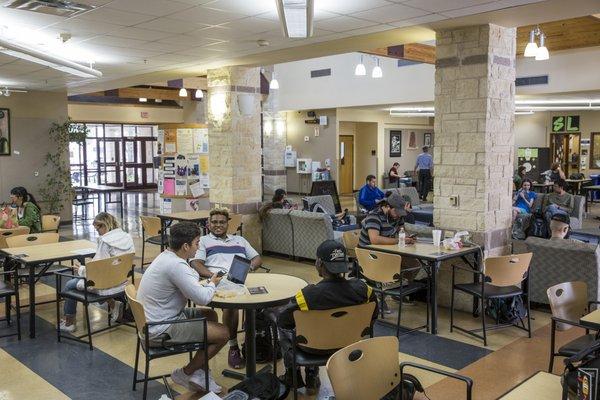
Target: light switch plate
(306, 138)
(454, 201)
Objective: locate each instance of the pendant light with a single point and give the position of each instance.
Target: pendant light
(143, 99)
(542, 51)
(360, 69)
(198, 94)
(182, 92)
(531, 48)
(377, 72)
(274, 85)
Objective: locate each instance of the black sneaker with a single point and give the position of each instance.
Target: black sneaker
(313, 382)
(288, 380)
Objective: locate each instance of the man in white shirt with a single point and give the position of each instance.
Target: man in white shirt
(215, 253)
(164, 290)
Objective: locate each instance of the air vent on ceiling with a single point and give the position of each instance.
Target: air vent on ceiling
(61, 8)
(320, 72)
(532, 80)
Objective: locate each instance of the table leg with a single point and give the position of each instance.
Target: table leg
(250, 331)
(163, 233)
(32, 301)
(587, 194)
(122, 215)
(433, 296)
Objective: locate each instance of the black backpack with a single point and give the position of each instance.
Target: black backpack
(587, 360)
(263, 386)
(507, 311)
(264, 339)
(538, 227)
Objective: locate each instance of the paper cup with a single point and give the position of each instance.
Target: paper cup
(437, 237)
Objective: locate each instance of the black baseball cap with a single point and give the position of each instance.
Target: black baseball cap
(396, 201)
(333, 255)
(564, 218)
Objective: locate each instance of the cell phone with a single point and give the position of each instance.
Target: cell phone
(220, 274)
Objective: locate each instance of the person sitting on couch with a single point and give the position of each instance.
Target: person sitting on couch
(370, 194)
(523, 199)
(558, 202)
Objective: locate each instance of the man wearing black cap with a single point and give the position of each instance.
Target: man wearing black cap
(332, 291)
(559, 226)
(381, 225)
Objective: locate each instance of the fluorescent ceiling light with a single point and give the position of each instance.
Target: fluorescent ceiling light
(198, 94)
(411, 114)
(559, 101)
(28, 53)
(182, 92)
(524, 112)
(296, 17)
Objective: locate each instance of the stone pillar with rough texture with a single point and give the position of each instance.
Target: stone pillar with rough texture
(234, 141)
(274, 141)
(474, 132)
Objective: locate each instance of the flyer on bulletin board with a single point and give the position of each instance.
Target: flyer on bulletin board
(185, 141)
(170, 141)
(203, 164)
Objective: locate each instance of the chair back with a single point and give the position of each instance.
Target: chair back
(507, 270)
(378, 266)
(109, 272)
(568, 300)
(137, 308)
(50, 223)
(32, 239)
(235, 220)
(366, 370)
(345, 325)
(150, 225)
(6, 233)
(350, 239)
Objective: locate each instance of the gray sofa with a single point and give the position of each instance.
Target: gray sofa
(277, 233)
(576, 216)
(557, 261)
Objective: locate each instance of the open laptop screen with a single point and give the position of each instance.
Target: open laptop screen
(239, 269)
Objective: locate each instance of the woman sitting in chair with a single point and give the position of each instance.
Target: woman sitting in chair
(28, 210)
(112, 242)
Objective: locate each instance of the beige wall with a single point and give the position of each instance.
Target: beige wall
(31, 115)
(191, 112)
(365, 141)
(317, 148)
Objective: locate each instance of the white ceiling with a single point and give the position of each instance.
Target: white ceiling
(134, 37)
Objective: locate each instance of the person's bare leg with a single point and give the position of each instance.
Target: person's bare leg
(217, 338)
(231, 319)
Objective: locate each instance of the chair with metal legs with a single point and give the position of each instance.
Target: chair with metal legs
(8, 289)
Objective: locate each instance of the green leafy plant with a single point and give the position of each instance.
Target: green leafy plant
(57, 189)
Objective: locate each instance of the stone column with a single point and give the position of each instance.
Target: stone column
(234, 142)
(274, 141)
(474, 132)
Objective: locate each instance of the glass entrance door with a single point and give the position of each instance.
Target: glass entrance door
(139, 153)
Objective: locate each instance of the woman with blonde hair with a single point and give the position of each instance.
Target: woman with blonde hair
(112, 241)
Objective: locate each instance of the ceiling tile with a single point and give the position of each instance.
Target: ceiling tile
(209, 16)
(497, 5)
(169, 25)
(443, 5)
(78, 26)
(219, 32)
(343, 23)
(245, 7)
(163, 47)
(385, 14)
(157, 8)
(22, 17)
(348, 6)
(115, 41)
(139, 33)
(118, 17)
(425, 19)
(188, 41)
(318, 15)
(253, 25)
(368, 30)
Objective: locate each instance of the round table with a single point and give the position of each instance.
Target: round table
(280, 289)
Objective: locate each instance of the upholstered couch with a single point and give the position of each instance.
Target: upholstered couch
(576, 216)
(556, 261)
(277, 233)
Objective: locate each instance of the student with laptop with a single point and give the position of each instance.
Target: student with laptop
(216, 253)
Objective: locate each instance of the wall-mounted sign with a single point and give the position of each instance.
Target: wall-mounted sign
(569, 123)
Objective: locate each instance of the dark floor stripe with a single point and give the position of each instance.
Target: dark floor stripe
(440, 350)
(72, 368)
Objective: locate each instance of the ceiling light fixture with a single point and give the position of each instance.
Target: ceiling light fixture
(377, 72)
(158, 100)
(360, 69)
(274, 85)
(143, 100)
(533, 50)
(296, 17)
(182, 92)
(198, 94)
(542, 51)
(32, 54)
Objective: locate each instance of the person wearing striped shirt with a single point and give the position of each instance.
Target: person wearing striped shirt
(381, 225)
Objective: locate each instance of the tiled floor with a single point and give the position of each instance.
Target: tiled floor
(42, 368)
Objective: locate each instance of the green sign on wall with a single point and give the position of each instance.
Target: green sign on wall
(569, 123)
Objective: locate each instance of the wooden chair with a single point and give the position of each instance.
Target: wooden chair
(350, 239)
(50, 223)
(166, 349)
(6, 233)
(100, 274)
(32, 239)
(345, 325)
(385, 271)
(150, 234)
(503, 277)
(369, 369)
(235, 224)
(568, 302)
(7, 290)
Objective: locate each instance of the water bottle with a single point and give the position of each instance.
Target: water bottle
(401, 238)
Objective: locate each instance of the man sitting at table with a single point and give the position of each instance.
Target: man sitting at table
(215, 253)
(558, 202)
(332, 291)
(382, 224)
(164, 290)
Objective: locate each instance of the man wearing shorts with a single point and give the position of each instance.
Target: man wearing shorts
(164, 290)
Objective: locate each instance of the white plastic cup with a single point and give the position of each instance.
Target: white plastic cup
(437, 237)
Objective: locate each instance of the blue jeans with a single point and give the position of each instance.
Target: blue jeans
(551, 211)
(70, 307)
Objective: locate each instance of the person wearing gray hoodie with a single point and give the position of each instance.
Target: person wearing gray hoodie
(113, 241)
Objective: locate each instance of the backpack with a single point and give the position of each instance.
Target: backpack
(263, 386)
(519, 228)
(538, 227)
(580, 370)
(506, 311)
(264, 339)
(410, 386)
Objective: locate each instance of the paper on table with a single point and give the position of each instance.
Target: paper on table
(84, 251)
(210, 396)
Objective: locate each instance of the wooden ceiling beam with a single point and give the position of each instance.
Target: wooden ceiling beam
(412, 52)
(565, 34)
(149, 93)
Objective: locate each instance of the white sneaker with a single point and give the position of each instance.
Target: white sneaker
(67, 328)
(197, 382)
(116, 311)
(180, 378)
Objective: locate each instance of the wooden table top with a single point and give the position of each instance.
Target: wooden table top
(591, 187)
(592, 319)
(423, 250)
(53, 251)
(102, 188)
(280, 288)
(577, 180)
(187, 215)
(540, 386)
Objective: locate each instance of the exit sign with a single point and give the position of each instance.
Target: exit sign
(569, 123)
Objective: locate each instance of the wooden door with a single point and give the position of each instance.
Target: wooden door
(346, 164)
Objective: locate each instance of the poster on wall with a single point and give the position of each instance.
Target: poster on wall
(170, 141)
(427, 140)
(412, 141)
(395, 143)
(185, 141)
(4, 132)
(160, 141)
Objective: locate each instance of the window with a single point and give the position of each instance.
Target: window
(595, 152)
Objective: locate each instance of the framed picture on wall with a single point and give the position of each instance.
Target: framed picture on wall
(4, 132)
(427, 140)
(395, 143)
(412, 141)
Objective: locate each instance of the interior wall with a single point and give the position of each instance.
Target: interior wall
(130, 114)
(31, 116)
(365, 143)
(409, 155)
(317, 148)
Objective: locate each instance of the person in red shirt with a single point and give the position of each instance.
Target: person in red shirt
(393, 175)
